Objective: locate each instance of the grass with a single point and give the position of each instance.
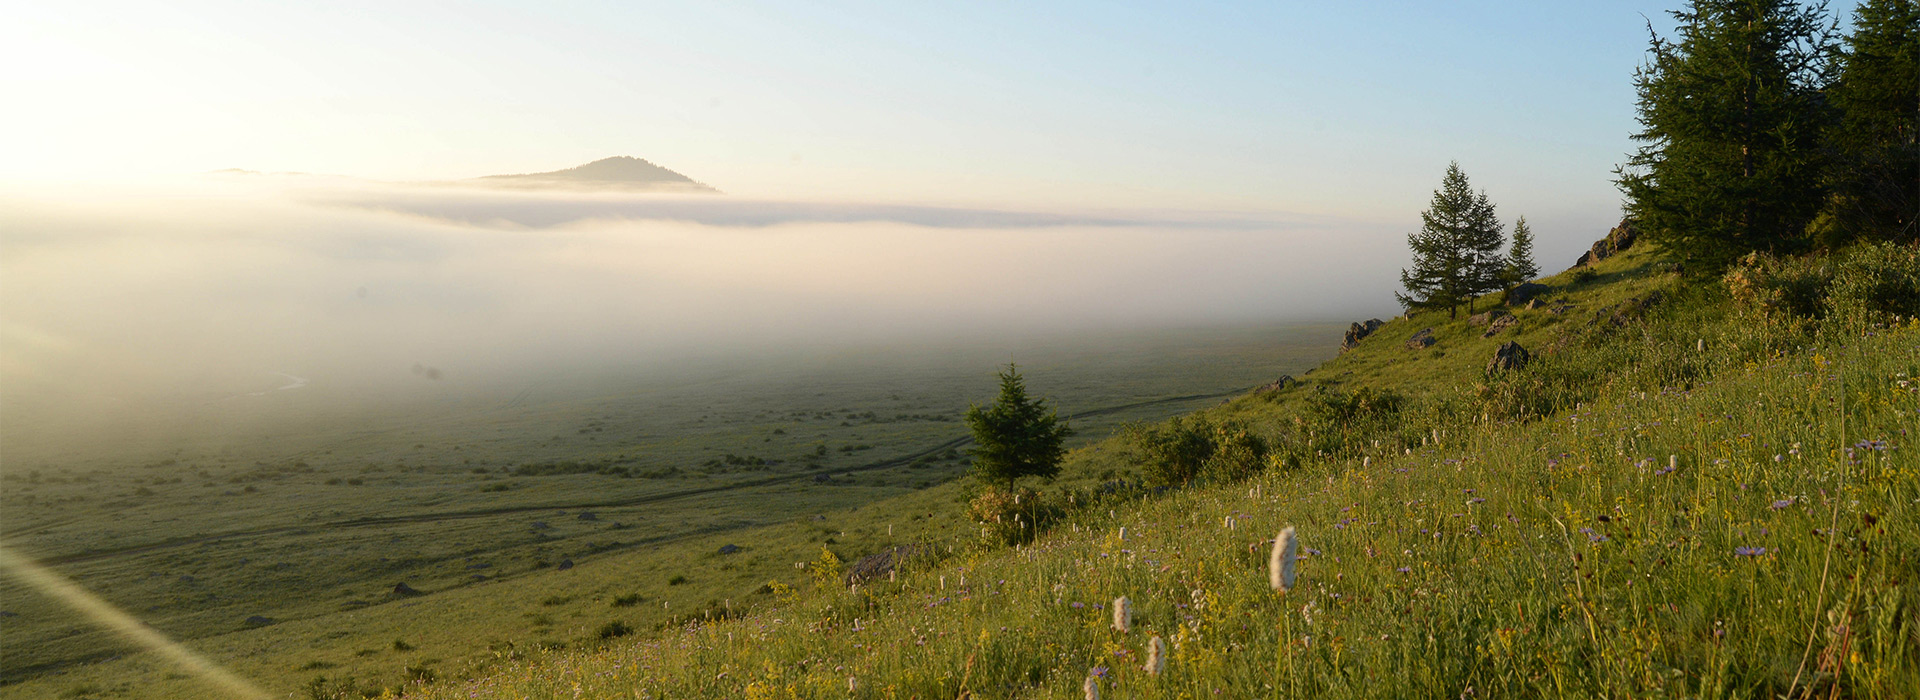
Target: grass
(1685, 503)
(342, 512)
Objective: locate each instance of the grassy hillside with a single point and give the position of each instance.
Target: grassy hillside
(1685, 494)
(535, 520)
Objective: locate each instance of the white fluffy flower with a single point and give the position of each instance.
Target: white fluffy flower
(1281, 568)
(1123, 614)
(1091, 687)
(1156, 655)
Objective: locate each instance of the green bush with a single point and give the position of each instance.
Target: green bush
(1190, 448)
(1876, 283)
(1012, 517)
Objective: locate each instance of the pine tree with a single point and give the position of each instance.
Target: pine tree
(1017, 436)
(1876, 173)
(1456, 253)
(1731, 119)
(1520, 267)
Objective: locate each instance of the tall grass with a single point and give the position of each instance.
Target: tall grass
(1694, 506)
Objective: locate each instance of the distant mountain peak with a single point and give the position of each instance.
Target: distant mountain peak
(618, 172)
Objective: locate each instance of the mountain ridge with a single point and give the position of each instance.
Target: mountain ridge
(623, 172)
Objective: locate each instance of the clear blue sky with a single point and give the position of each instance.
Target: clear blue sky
(1326, 108)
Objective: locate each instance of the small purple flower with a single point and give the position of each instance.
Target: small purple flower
(1078, 604)
(1749, 551)
(1476, 499)
(1404, 570)
(1099, 672)
(1781, 504)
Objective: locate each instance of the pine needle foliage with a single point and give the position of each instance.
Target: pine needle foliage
(1732, 117)
(1876, 173)
(1520, 265)
(1018, 436)
(1456, 253)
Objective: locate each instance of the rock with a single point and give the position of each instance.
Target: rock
(1526, 293)
(1283, 382)
(1422, 339)
(259, 621)
(1509, 356)
(1617, 240)
(1499, 324)
(565, 564)
(540, 525)
(1487, 317)
(401, 589)
(821, 478)
(589, 516)
(1536, 304)
(729, 548)
(878, 564)
(1358, 331)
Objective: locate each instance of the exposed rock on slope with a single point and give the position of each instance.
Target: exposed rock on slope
(1617, 240)
(1360, 331)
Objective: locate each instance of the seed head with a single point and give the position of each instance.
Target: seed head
(1091, 688)
(1156, 655)
(1123, 614)
(1280, 569)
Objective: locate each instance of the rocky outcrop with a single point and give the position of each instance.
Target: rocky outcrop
(1485, 318)
(1358, 331)
(1617, 240)
(1526, 293)
(1500, 324)
(879, 564)
(1283, 382)
(402, 590)
(1423, 339)
(729, 548)
(1509, 356)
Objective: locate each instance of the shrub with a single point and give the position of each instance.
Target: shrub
(1875, 283)
(1012, 517)
(627, 601)
(614, 629)
(1784, 292)
(677, 580)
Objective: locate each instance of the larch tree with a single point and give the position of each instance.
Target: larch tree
(1731, 117)
(1875, 176)
(1520, 265)
(1456, 252)
(1018, 436)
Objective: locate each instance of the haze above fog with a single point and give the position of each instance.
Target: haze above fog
(124, 306)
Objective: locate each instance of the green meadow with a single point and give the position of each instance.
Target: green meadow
(541, 518)
(1686, 493)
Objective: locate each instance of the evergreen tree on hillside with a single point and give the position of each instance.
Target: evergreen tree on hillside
(1731, 118)
(1017, 436)
(1456, 253)
(1876, 173)
(1520, 267)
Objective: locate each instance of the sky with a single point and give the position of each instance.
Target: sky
(892, 172)
(1350, 109)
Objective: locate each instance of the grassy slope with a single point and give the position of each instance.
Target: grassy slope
(326, 586)
(1464, 554)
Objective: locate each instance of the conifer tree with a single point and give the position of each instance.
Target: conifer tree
(1017, 436)
(1731, 118)
(1876, 173)
(1520, 266)
(1456, 253)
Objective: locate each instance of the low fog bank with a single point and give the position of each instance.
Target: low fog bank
(149, 311)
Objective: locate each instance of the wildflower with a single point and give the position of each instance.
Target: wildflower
(1123, 614)
(1749, 551)
(1280, 568)
(1156, 656)
(1091, 688)
(853, 685)
(1781, 504)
